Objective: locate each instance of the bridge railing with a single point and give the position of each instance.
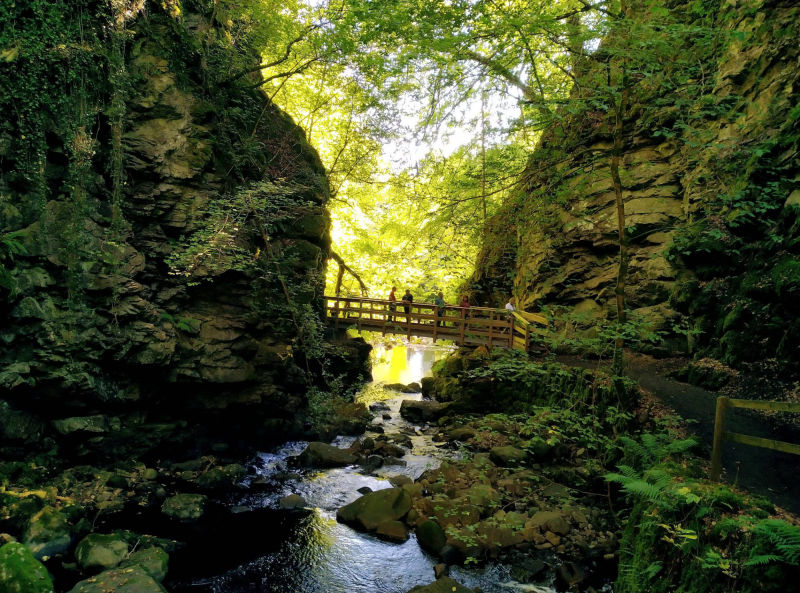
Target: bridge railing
(463, 325)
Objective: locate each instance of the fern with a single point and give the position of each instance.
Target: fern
(783, 537)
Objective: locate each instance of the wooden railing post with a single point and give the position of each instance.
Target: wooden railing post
(719, 437)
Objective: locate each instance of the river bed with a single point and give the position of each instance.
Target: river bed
(308, 551)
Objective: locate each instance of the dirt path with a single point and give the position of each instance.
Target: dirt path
(769, 473)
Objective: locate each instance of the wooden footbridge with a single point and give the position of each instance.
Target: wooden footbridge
(464, 326)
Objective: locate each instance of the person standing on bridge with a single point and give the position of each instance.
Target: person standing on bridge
(440, 305)
(408, 298)
(511, 305)
(392, 306)
(464, 304)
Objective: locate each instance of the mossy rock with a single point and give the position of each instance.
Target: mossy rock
(120, 580)
(431, 536)
(185, 507)
(374, 508)
(443, 585)
(101, 551)
(154, 561)
(48, 533)
(20, 572)
(219, 478)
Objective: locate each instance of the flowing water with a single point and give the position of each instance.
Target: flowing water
(308, 551)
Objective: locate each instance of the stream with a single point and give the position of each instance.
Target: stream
(307, 550)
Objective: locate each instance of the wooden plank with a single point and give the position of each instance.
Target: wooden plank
(767, 406)
(719, 436)
(774, 445)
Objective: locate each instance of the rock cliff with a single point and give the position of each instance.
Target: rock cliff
(710, 177)
(163, 223)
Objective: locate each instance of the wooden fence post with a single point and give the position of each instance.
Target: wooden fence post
(719, 437)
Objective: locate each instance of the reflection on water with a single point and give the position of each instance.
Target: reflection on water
(404, 363)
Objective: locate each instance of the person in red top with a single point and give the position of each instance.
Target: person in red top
(464, 304)
(392, 301)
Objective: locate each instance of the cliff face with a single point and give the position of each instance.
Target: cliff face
(128, 145)
(710, 176)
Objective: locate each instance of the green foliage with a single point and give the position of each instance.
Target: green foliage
(781, 537)
(10, 247)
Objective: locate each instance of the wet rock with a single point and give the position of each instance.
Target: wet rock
(451, 555)
(20, 572)
(374, 508)
(393, 531)
(527, 569)
(48, 533)
(154, 561)
(422, 411)
(378, 407)
(442, 585)
(394, 461)
(410, 388)
(390, 449)
(431, 537)
(100, 551)
(371, 463)
(569, 574)
(399, 439)
(427, 387)
(292, 502)
(507, 456)
(120, 580)
(440, 570)
(400, 480)
(319, 454)
(386, 416)
(185, 507)
(220, 478)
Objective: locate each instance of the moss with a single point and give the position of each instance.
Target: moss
(20, 572)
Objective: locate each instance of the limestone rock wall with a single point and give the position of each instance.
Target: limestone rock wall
(128, 142)
(710, 185)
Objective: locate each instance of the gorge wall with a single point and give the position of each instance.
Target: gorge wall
(709, 173)
(164, 230)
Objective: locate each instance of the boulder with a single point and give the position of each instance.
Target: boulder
(507, 456)
(400, 480)
(292, 502)
(374, 508)
(443, 585)
(120, 580)
(393, 531)
(185, 507)
(410, 388)
(101, 551)
(154, 561)
(48, 533)
(549, 521)
(431, 537)
(319, 454)
(422, 411)
(371, 463)
(219, 478)
(20, 572)
(97, 424)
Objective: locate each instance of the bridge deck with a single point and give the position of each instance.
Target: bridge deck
(464, 326)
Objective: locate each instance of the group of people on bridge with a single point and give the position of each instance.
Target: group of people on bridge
(407, 299)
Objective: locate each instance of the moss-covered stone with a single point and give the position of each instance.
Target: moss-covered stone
(20, 572)
(101, 551)
(185, 507)
(120, 580)
(48, 533)
(154, 561)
